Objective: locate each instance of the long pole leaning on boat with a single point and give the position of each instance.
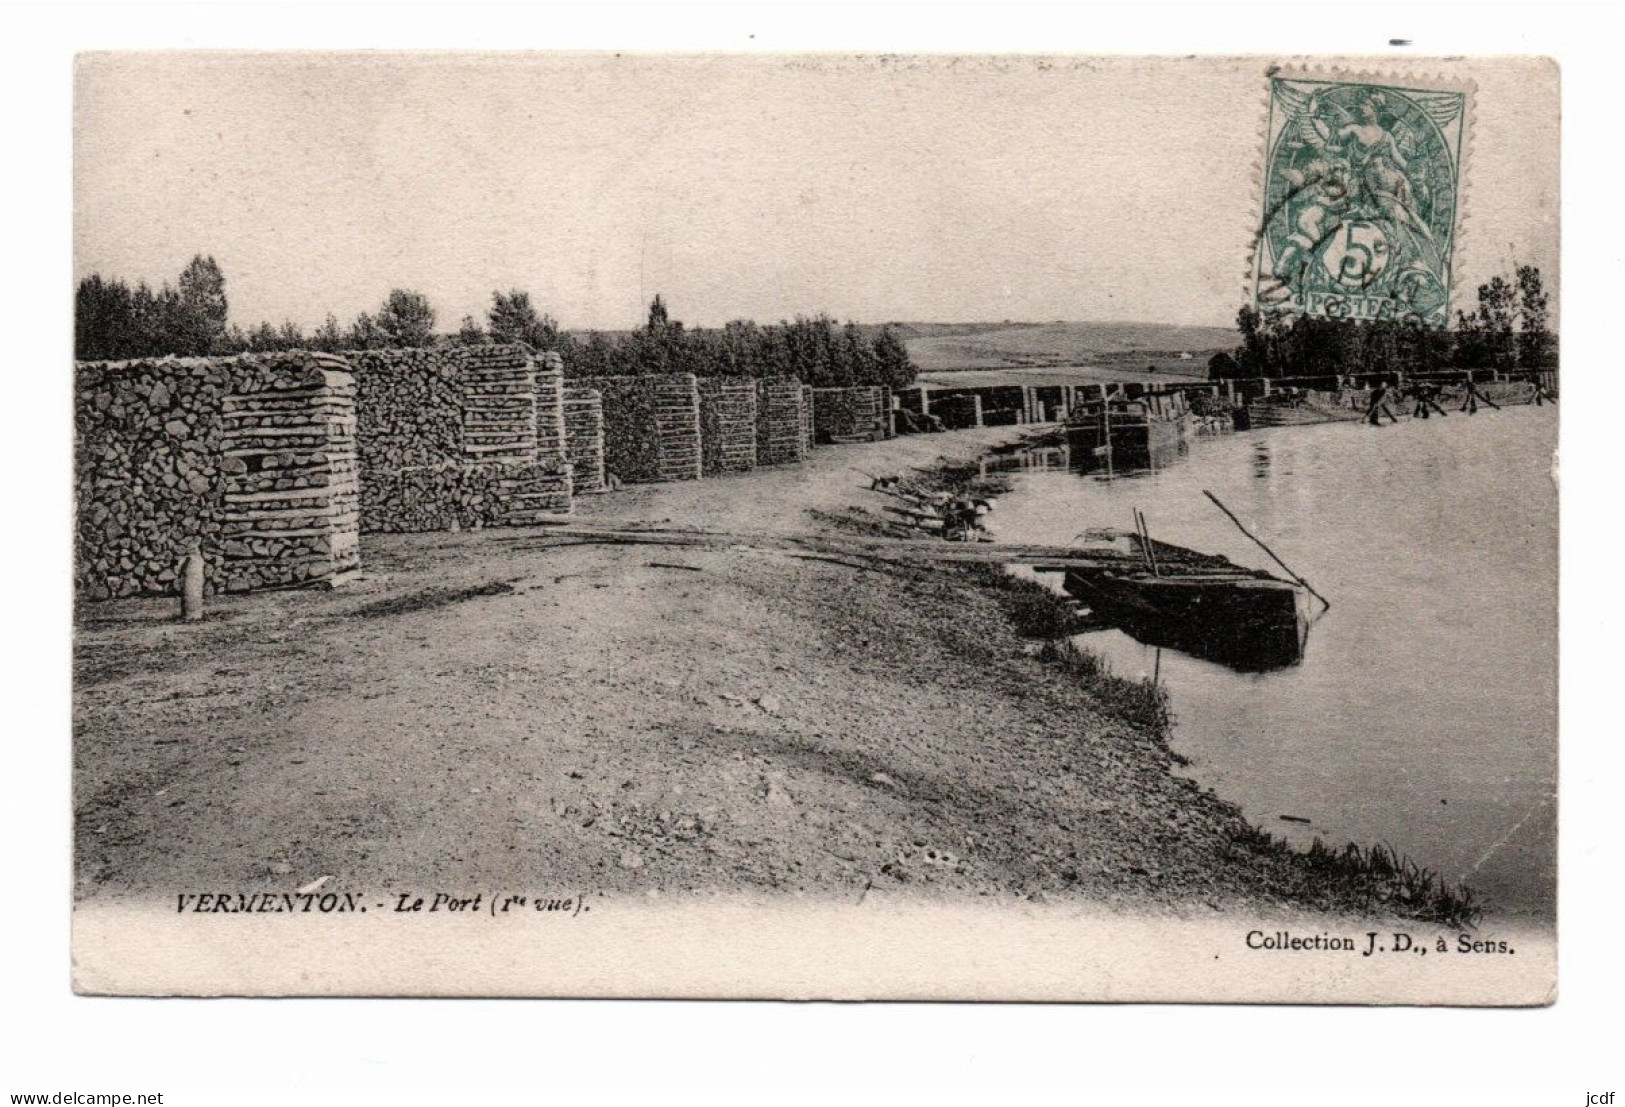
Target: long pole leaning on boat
(1143, 529)
(1276, 557)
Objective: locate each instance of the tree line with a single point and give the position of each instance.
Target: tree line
(1508, 330)
(817, 350)
(114, 320)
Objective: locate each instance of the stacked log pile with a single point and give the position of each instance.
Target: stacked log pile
(288, 452)
(651, 426)
(916, 399)
(809, 433)
(466, 497)
(466, 436)
(631, 445)
(858, 414)
(780, 436)
(499, 408)
(1033, 407)
(146, 473)
(727, 425)
(958, 411)
(253, 457)
(1044, 403)
(677, 422)
(531, 492)
(584, 438)
(994, 406)
(409, 409)
(1002, 406)
(551, 439)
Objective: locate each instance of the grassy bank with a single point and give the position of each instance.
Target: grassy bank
(1375, 877)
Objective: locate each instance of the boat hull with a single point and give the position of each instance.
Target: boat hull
(1250, 623)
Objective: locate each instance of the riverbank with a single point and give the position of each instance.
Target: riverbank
(513, 709)
(1427, 723)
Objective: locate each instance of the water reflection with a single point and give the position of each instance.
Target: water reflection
(1261, 459)
(1108, 461)
(1425, 715)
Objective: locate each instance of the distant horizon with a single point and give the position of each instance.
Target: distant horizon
(677, 318)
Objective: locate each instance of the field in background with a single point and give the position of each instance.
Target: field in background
(946, 347)
(1103, 372)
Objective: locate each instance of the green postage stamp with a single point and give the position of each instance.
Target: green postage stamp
(1362, 199)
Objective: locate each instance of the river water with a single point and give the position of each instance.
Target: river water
(1424, 713)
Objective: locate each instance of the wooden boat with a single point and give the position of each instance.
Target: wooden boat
(1151, 425)
(1204, 606)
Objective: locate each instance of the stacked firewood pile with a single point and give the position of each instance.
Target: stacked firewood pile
(809, 435)
(780, 437)
(288, 449)
(455, 496)
(958, 412)
(857, 414)
(584, 438)
(677, 425)
(651, 426)
(463, 437)
(410, 408)
(727, 424)
(547, 371)
(499, 404)
(251, 457)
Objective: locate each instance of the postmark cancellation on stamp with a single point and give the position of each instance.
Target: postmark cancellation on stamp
(1362, 195)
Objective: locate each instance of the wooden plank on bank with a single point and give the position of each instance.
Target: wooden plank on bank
(899, 549)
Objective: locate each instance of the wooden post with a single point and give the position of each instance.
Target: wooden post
(192, 583)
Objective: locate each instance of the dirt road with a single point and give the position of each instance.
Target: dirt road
(488, 709)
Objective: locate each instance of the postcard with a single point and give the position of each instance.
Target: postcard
(816, 527)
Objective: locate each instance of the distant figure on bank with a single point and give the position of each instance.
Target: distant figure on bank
(1427, 400)
(1378, 406)
(1469, 403)
(1541, 396)
(962, 518)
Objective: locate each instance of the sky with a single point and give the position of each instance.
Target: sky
(925, 189)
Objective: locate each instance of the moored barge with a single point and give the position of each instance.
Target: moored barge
(1206, 606)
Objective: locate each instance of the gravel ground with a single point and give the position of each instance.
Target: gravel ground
(490, 710)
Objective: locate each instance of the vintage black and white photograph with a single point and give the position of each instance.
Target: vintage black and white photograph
(816, 526)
